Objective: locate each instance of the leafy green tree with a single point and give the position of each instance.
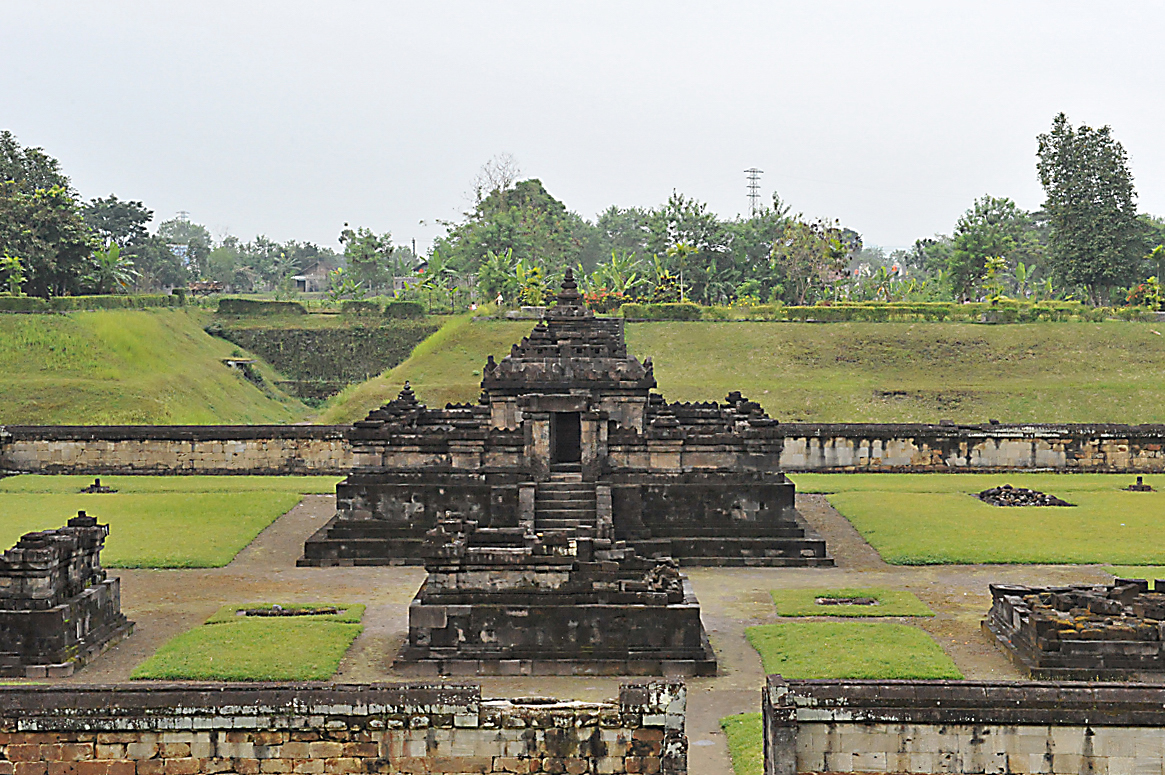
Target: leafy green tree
(29, 169)
(993, 227)
(750, 243)
(191, 242)
(157, 265)
(45, 230)
(520, 217)
(12, 272)
(691, 238)
(1095, 235)
(117, 221)
(368, 256)
(812, 256)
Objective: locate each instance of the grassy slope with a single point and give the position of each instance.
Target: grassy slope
(127, 366)
(843, 372)
(445, 367)
(746, 742)
(1068, 372)
(916, 519)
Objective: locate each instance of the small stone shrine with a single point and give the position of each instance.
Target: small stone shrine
(57, 608)
(1082, 632)
(567, 435)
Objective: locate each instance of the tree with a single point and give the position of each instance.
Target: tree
(523, 218)
(45, 231)
(122, 223)
(112, 272)
(993, 227)
(29, 169)
(191, 242)
(811, 256)
(368, 255)
(1095, 235)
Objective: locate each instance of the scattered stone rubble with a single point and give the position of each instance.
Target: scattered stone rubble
(1006, 495)
(1140, 486)
(1081, 632)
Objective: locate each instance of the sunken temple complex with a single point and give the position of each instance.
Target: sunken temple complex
(1082, 631)
(552, 515)
(58, 610)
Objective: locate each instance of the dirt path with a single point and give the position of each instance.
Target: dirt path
(165, 603)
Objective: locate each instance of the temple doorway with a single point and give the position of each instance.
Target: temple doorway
(566, 438)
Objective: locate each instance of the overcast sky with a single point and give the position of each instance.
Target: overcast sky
(290, 119)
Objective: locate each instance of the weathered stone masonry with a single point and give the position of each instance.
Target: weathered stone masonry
(331, 728)
(963, 727)
(841, 447)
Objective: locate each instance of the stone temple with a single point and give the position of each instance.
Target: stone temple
(568, 435)
(553, 514)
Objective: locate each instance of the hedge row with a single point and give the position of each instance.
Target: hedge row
(397, 310)
(258, 307)
(893, 312)
(73, 303)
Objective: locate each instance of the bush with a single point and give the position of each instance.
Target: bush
(684, 310)
(138, 301)
(23, 304)
(351, 307)
(256, 307)
(404, 309)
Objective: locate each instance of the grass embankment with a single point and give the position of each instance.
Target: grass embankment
(156, 521)
(889, 602)
(444, 368)
(899, 372)
(233, 647)
(746, 742)
(931, 519)
(843, 372)
(818, 649)
(128, 367)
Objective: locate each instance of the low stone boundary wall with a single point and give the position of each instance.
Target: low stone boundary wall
(963, 727)
(330, 728)
(840, 447)
(175, 449)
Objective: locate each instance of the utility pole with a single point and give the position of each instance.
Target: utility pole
(753, 177)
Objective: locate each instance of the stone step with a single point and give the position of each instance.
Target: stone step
(559, 524)
(551, 497)
(565, 487)
(565, 514)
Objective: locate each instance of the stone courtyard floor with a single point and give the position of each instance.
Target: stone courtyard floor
(165, 603)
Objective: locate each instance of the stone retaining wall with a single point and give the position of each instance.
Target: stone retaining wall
(330, 728)
(963, 727)
(841, 447)
(175, 449)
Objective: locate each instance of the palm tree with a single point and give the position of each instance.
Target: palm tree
(111, 272)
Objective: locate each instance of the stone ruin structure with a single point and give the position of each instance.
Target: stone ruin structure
(1082, 632)
(58, 609)
(552, 515)
(568, 436)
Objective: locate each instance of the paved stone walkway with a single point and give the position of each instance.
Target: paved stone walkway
(166, 603)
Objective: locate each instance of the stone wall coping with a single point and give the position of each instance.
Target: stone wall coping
(784, 430)
(1054, 703)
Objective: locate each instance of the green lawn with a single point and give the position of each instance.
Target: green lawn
(156, 521)
(746, 742)
(1149, 573)
(128, 367)
(891, 602)
(257, 648)
(849, 650)
(921, 519)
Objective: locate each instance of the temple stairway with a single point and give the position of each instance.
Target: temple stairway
(564, 502)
